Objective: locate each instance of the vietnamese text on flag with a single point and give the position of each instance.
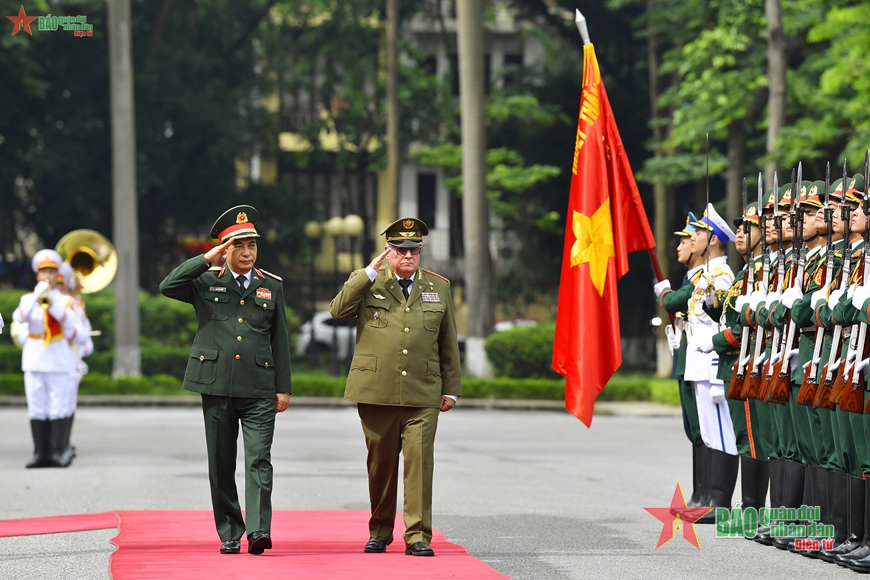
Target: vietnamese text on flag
(605, 221)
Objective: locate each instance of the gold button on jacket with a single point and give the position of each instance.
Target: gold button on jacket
(416, 336)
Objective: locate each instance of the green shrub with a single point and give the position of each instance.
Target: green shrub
(524, 352)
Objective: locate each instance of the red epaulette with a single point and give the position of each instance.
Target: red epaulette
(437, 275)
(270, 274)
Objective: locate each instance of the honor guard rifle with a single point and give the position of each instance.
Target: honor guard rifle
(776, 340)
(810, 384)
(829, 372)
(780, 387)
(752, 382)
(738, 373)
(852, 399)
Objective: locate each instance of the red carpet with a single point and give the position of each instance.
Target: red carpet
(58, 524)
(306, 544)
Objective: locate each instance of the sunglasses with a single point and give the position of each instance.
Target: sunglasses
(413, 251)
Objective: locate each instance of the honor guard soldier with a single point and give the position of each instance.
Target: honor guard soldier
(240, 364)
(48, 324)
(405, 370)
(676, 302)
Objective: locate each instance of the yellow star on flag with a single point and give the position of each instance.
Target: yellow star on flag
(594, 243)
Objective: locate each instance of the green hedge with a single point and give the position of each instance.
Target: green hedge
(524, 352)
(164, 322)
(620, 387)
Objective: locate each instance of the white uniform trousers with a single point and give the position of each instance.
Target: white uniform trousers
(48, 394)
(717, 431)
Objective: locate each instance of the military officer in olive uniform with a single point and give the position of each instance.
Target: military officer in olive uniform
(240, 363)
(405, 370)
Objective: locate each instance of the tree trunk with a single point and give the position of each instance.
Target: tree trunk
(737, 136)
(478, 262)
(124, 210)
(777, 64)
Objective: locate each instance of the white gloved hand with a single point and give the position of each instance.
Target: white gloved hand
(835, 296)
(860, 296)
(704, 344)
(862, 365)
(851, 291)
(741, 301)
(673, 337)
(819, 296)
(661, 287)
(790, 296)
(756, 299)
(41, 288)
(771, 298)
(717, 394)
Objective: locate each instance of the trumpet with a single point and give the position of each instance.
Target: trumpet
(44, 301)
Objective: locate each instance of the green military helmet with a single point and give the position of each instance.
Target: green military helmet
(750, 214)
(406, 233)
(785, 196)
(836, 190)
(236, 222)
(767, 201)
(814, 196)
(855, 191)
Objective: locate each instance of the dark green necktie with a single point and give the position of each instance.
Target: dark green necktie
(405, 284)
(241, 280)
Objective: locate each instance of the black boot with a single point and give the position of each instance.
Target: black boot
(55, 433)
(64, 453)
(38, 428)
(700, 479)
(792, 493)
(855, 521)
(806, 500)
(723, 478)
(777, 470)
(754, 478)
(859, 560)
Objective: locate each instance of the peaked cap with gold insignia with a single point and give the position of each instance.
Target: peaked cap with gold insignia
(236, 222)
(406, 233)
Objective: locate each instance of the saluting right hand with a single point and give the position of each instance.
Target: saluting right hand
(217, 252)
(376, 263)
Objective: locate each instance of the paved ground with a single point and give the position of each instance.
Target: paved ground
(534, 494)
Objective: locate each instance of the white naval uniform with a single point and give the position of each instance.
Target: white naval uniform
(83, 346)
(717, 430)
(48, 367)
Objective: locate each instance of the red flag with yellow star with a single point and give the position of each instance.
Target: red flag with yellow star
(605, 222)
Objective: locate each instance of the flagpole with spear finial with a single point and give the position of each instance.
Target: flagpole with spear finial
(580, 21)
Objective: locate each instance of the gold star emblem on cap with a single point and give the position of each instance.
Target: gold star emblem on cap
(242, 218)
(409, 224)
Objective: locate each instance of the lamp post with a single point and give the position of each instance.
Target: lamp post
(313, 231)
(334, 227)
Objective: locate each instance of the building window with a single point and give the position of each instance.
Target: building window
(512, 62)
(426, 190)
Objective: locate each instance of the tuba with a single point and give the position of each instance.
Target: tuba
(92, 257)
(94, 262)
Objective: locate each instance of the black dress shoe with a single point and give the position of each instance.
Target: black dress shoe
(375, 545)
(419, 549)
(230, 547)
(258, 542)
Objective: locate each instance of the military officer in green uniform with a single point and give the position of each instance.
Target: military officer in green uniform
(405, 370)
(240, 363)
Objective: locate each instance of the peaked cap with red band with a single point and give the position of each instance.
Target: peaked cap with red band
(236, 222)
(46, 259)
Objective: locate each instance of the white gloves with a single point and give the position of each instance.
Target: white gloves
(41, 288)
(757, 298)
(818, 297)
(835, 296)
(862, 365)
(661, 287)
(741, 301)
(771, 298)
(860, 296)
(704, 344)
(673, 337)
(717, 394)
(790, 296)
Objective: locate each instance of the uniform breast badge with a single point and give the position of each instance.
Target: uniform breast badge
(379, 297)
(217, 288)
(431, 297)
(264, 293)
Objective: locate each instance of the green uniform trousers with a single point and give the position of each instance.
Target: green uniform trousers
(744, 417)
(861, 428)
(388, 430)
(827, 446)
(846, 443)
(766, 433)
(787, 447)
(690, 411)
(805, 422)
(222, 417)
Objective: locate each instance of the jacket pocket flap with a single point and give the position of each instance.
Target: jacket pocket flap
(377, 303)
(217, 297)
(265, 360)
(265, 304)
(364, 362)
(204, 353)
(433, 367)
